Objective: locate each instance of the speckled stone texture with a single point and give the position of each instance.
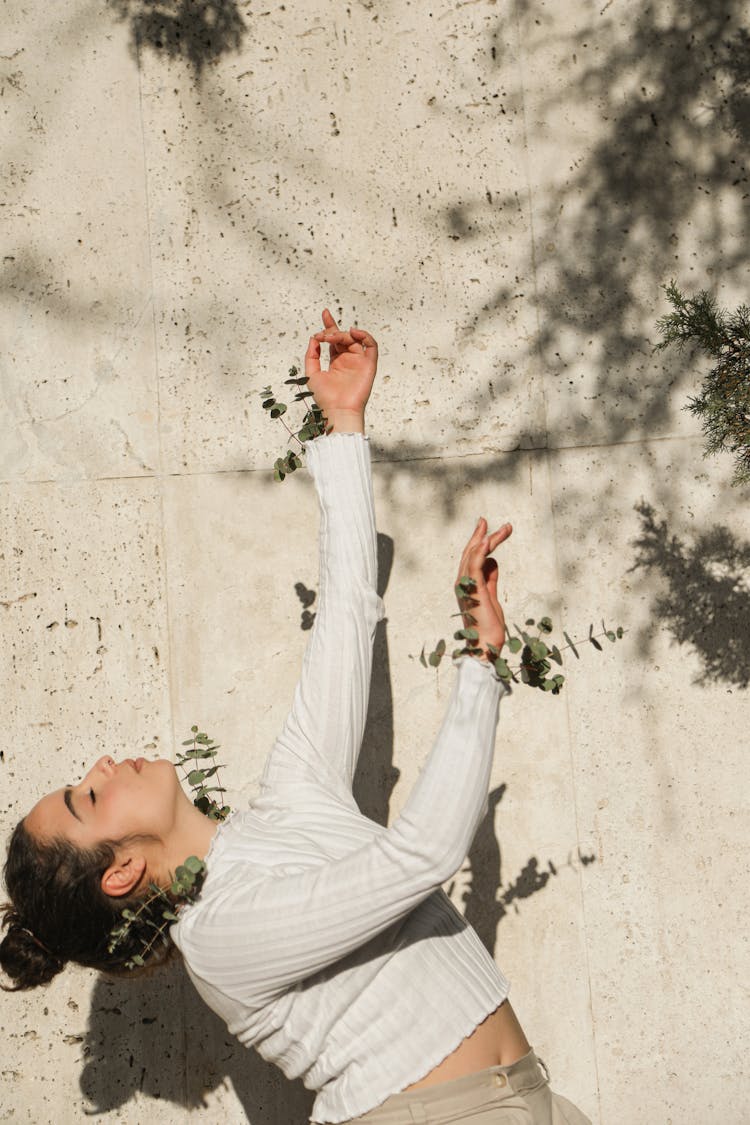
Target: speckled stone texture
(497, 189)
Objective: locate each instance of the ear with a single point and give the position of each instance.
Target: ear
(123, 876)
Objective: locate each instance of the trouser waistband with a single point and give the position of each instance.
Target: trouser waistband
(521, 1076)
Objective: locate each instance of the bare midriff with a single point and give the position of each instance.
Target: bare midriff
(497, 1041)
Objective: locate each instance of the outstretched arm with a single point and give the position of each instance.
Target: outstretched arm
(264, 931)
(323, 732)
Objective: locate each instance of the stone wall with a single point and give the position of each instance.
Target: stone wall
(497, 189)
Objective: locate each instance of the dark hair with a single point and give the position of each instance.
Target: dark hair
(58, 912)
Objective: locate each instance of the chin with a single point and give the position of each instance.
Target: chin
(164, 769)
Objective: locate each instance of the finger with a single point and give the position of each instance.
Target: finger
(367, 341)
(477, 535)
(499, 536)
(335, 338)
(312, 358)
(491, 571)
(479, 532)
(328, 320)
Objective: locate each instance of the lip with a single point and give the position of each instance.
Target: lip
(139, 764)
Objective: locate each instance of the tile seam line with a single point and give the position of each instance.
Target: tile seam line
(538, 450)
(548, 454)
(160, 475)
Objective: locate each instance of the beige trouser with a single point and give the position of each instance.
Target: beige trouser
(509, 1095)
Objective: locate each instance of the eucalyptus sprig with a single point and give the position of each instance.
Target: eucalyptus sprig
(203, 748)
(314, 422)
(157, 910)
(162, 901)
(536, 655)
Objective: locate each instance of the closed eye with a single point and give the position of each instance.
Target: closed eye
(92, 795)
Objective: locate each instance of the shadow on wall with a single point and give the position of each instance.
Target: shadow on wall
(706, 603)
(666, 175)
(376, 775)
(488, 898)
(199, 31)
(156, 1038)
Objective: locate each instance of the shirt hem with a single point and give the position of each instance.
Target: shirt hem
(471, 1024)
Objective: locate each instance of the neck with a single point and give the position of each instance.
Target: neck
(192, 835)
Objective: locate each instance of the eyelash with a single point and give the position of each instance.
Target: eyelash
(92, 795)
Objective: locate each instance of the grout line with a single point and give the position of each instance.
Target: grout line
(160, 478)
(555, 541)
(395, 461)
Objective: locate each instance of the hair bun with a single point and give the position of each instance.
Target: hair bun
(24, 957)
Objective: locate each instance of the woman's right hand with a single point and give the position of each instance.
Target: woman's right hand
(342, 391)
(480, 609)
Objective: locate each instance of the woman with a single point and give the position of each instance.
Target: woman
(322, 938)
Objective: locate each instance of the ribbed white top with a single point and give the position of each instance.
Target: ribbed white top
(322, 938)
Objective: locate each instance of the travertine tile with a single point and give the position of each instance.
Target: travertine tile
(238, 544)
(84, 669)
(657, 769)
(78, 377)
(375, 169)
(636, 169)
(497, 190)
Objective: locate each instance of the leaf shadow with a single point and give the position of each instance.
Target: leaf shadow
(198, 31)
(705, 597)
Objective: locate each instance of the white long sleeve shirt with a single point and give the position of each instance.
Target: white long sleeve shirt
(322, 938)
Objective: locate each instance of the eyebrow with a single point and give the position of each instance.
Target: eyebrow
(67, 797)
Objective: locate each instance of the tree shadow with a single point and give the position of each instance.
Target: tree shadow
(660, 191)
(706, 603)
(198, 31)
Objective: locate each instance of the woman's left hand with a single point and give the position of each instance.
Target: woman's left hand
(342, 391)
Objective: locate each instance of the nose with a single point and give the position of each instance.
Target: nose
(104, 765)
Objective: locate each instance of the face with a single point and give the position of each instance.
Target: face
(113, 801)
